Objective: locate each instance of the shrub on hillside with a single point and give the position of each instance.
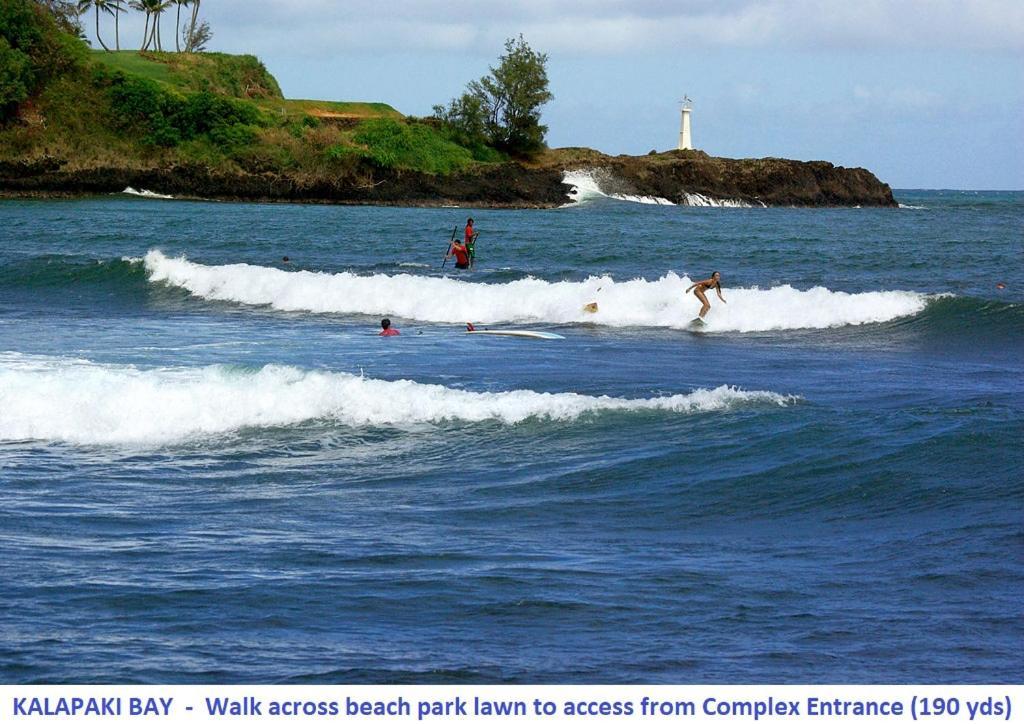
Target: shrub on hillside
(390, 144)
(15, 78)
(164, 118)
(32, 51)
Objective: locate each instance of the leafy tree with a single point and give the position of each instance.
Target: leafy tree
(65, 14)
(21, 26)
(503, 108)
(466, 118)
(32, 50)
(196, 37)
(15, 78)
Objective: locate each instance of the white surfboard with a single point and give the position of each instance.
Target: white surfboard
(517, 333)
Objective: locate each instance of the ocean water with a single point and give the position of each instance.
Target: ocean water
(213, 470)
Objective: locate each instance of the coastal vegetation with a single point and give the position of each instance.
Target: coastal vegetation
(80, 120)
(33, 51)
(59, 99)
(502, 109)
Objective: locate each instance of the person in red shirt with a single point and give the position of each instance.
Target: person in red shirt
(461, 254)
(470, 242)
(386, 329)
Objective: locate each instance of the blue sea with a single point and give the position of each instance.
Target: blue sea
(212, 468)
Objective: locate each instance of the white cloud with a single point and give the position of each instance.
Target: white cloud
(898, 100)
(619, 26)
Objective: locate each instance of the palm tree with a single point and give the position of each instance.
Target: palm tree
(158, 10)
(117, 6)
(190, 45)
(137, 5)
(177, 22)
(142, 6)
(153, 9)
(104, 5)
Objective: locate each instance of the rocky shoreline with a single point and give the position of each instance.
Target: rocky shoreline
(678, 177)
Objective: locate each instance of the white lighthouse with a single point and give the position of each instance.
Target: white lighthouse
(685, 142)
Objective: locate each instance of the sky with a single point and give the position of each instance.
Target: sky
(924, 93)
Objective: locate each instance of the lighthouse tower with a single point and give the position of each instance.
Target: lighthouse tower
(684, 125)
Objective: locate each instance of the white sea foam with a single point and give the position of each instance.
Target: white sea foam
(702, 200)
(911, 206)
(145, 194)
(633, 303)
(76, 401)
(591, 184)
(584, 186)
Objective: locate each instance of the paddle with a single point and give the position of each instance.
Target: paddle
(449, 251)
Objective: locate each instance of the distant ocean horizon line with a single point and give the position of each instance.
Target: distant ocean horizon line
(977, 191)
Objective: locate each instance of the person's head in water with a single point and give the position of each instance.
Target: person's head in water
(385, 323)
(285, 259)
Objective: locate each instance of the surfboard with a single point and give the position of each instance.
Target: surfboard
(698, 323)
(517, 333)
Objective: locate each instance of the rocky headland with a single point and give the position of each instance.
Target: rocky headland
(678, 177)
(216, 126)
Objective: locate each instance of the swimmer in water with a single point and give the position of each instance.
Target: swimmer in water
(714, 282)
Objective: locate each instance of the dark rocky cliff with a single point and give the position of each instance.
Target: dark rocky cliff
(678, 176)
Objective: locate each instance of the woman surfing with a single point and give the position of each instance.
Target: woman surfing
(714, 282)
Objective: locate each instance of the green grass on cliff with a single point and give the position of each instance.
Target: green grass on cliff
(237, 76)
(390, 144)
(338, 112)
(225, 112)
(215, 109)
(136, 63)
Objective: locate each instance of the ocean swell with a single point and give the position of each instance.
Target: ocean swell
(77, 401)
(633, 303)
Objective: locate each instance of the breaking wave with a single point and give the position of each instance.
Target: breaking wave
(702, 200)
(145, 194)
(587, 185)
(633, 303)
(77, 401)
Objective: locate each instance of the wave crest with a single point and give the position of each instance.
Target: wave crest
(634, 303)
(587, 185)
(145, 193)
(81, 402)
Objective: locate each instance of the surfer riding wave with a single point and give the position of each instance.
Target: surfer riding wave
(713, 282)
